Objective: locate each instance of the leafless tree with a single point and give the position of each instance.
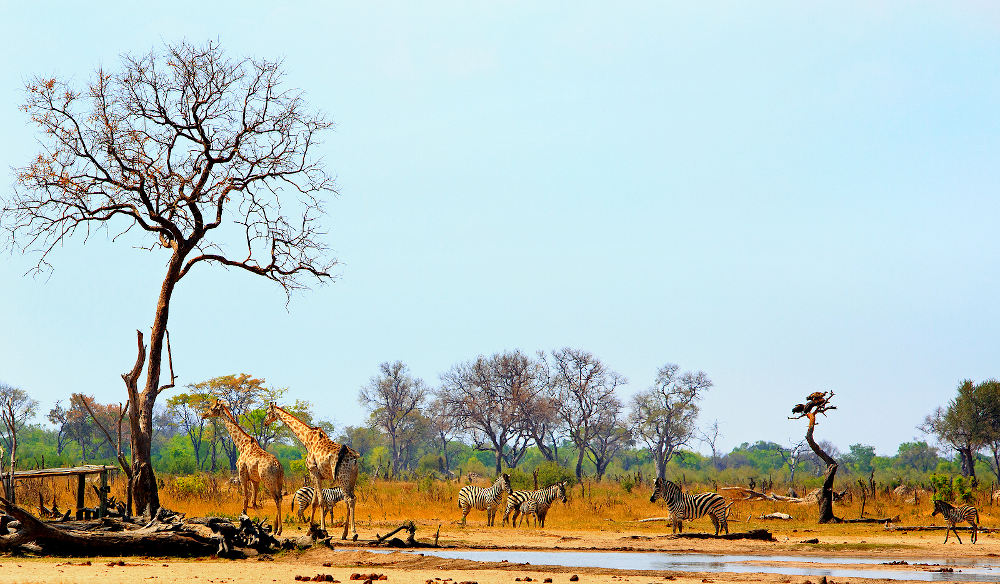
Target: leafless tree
(819, 403)
(16, 408)
(664, 415)
(793, 456)
(487, 397)
(112, 423)
(210, 159)
(585, 390)
(445, 426)
(710, 436)
(394, 398)
(611, 435)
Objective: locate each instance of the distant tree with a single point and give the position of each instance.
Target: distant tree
(710, 437)
(793, 456)
(859, 458)
(58, 416)
(963, 423)
(210, 159)
(611, 435)
(187, 409)
(584, 390)
(663, 416)
(487, 397)
(394, 400)
(919, 456)
(16, 408)
(444, 425)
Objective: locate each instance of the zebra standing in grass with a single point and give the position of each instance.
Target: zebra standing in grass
(538, 504)
(953, 515)
(473, 497)
(691, 507)
(303, 498)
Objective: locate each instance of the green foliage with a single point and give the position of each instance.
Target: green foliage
(190, 485)
(550, 473)
(952, 489)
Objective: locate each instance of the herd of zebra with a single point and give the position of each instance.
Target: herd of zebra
(525, 504)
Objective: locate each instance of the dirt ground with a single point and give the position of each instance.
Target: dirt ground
(346, 559)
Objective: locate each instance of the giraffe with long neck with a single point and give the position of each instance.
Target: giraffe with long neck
(255, 465)
(325, 459)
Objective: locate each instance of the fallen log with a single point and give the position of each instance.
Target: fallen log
(159, 537)
(652, 519)
(756, 534)
(781, 516)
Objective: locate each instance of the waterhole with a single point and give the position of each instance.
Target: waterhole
(965, 569)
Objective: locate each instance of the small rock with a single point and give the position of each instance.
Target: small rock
(574, 578)
(547, 580)
(813, 540)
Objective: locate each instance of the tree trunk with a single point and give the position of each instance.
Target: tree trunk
(826, 493)
(968, 460)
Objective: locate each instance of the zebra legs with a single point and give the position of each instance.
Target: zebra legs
(951, 527)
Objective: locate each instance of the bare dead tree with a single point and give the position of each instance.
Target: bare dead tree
(394, 398)
(210, 159)
(585, 390)
(710, 437)
(819, 403)
(444, 425)
(115, 442)
(486, 396)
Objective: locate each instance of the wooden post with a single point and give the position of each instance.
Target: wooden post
(102, 509)
(80, 481)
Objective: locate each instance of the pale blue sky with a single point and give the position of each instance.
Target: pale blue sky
(789, 196)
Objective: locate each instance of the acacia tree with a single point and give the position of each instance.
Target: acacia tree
(186, 409)
(394, 398)
(964, 423)
(210, 159)
(585, 393)
(610, 436)
(664, 415)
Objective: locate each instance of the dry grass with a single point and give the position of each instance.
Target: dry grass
(593, 506)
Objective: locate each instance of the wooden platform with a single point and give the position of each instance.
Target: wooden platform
(81, 473)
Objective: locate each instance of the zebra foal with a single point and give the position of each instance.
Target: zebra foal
(540, 501)
(303, 498)
(691, 506)
(953, 515)
(473, 497)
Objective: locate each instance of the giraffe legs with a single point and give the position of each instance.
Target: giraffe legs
(317, 480)
(349, 519)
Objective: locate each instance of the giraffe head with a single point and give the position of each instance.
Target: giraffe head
(215, 410)
(272, 414)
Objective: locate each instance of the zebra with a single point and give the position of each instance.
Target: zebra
(303, 499)
(473, 497)
(691, 507)
(539, 502)
(953, 515)
(516, 500)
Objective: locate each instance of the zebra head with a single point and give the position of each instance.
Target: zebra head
(562, 490)
(657, 490)
(664, 489)
(505, 479)
(941, 507)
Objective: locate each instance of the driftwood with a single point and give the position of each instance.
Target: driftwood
(168, 534)
(757, 534)
(410, 541)
(781, 516)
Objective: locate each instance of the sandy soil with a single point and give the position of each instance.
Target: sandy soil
(341, 562)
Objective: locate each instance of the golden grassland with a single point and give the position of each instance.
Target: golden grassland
(604, 506)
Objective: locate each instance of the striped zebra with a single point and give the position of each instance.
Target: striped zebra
(953, 515)
(538, 505)
(473, 497)
(303, 499)
(691, 507)
(516, 499)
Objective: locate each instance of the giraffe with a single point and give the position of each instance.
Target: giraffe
(325, 459)
(255, 465)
